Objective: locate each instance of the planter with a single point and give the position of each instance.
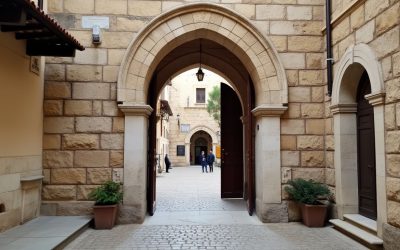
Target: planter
(105, 216)
(314, 215)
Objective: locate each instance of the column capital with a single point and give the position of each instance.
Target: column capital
(344, 108)
(376, 99)
(136, 109)
(269, 110)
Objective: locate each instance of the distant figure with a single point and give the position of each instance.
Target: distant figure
(203, 161)
(167, 163)
(210, 160)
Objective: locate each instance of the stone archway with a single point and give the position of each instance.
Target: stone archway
(357, 60)
(231, 30)
(210, 132)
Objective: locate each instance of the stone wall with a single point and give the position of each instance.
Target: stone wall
(376, 23)
(83, 138)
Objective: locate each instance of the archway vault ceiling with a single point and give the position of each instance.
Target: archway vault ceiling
(190, 22)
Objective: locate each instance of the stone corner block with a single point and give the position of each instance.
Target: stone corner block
(391, 236)
(274, 213)
(129, 214)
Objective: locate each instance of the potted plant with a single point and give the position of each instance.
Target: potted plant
(307, 194)
(105, 209)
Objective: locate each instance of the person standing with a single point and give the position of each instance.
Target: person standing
(210, 161)
(203, 161)
(167, 163)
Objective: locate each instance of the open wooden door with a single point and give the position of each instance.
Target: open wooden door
(151, 152)
(231, 144)
(249, 151)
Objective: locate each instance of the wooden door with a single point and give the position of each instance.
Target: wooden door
(366, 151)
(231, 144)
(249, 151)
(151, 153)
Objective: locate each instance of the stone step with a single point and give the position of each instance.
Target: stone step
(362, 222)
(368, 239)
(44, 232)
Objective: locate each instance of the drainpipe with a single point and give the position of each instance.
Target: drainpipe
(329, 59)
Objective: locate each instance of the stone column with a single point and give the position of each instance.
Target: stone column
(187, 153)
(345, 158)
(269, 206)
(377, 101)
(134, 207)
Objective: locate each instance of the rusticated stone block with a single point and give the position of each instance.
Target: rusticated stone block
(84, 191)
(316, 174)
(299, 94)
(93, 124)
(57, 90)
(309, 142)
(115, 55)
(393, 210)
(54, 72)
(391, 236)
(294, 211)
(59, 192)
(98, 175)
(393, 142)
(75, 208)
(116, 158)
(288, 142)
(68, 176)
(115, 7)
(315, 126)
(312, 110)
(292, 127)
(330, 176)
(118, 124)
(78, 107)
(112, 141)
(305, 43)
(52, 107)
(58, 125)
(91, 56)
(80, 141)
(393, 90)
(91, 91)
(311, 77)
(393, 163)
(290, 158)
(393, 188)
(125, 24)
(84, 73)
(110, 73)
(144, 8)
(274, 213)
(58, 159)
(312, 158)
(110, 108)
(78, 6)
(92, 159)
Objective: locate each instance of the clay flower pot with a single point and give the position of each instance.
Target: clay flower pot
(105, 216)
(314, 215)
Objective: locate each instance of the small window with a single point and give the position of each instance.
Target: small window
(180, 150)
(200, 95)
(2, 208)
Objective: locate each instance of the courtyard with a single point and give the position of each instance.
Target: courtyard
(191, 215)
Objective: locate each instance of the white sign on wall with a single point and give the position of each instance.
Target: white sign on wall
(185, 128)
(89, 21)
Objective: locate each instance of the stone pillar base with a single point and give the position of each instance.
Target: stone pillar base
(273, 213)
(391, 236)
(131, 214)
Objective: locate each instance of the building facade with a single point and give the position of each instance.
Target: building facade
(97, 106)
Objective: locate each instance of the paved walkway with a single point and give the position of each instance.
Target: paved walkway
(190, 215)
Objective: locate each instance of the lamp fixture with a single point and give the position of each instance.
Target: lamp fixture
(200, 74)
(178, 116)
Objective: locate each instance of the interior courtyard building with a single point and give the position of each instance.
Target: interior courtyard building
(318, 97)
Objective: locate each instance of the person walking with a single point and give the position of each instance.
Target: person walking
(210, 161)
(203, 161)
(167, 163)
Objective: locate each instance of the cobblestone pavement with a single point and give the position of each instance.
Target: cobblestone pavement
(190, 215)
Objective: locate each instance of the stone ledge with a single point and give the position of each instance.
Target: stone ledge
(136, 109)
(269, 110)
(344, 108)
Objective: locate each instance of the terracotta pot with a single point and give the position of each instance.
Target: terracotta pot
(105, 216)
(314, 215)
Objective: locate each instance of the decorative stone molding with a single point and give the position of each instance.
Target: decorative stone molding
(201, 128)
(193, 21)
(354, 62)
(344, 108)
(138, 110)
(376, 99)
(269, 110)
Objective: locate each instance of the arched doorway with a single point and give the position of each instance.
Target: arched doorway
(358, 116)
(200, 141)
(168, 45)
